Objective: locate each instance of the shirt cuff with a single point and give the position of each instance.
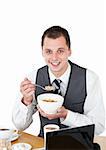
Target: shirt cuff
(23, 107)
(70, 118)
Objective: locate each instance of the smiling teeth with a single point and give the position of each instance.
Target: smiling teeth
(55, 63)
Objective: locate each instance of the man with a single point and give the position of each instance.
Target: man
(80, 88)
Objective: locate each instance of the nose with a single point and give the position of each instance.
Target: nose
(54, 56)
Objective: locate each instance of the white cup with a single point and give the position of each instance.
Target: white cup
(6, 133)
(5, 144)
(49, 128)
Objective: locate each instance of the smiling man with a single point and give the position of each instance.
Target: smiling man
(56, 53)
(80, 87)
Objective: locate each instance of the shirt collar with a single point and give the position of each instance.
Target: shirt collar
(64, 78)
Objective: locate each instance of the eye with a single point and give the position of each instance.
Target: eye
(60, 51)
(48, 51)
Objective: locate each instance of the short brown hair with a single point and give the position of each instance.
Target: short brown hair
(55, 32)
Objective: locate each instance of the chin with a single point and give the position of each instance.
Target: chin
(55, 70)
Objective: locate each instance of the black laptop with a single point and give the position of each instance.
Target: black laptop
(80, 138)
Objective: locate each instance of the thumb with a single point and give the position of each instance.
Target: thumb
(25, 79)
(59, 109)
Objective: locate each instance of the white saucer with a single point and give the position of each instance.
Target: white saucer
(14, 137)
(21, 146)
(42, 148)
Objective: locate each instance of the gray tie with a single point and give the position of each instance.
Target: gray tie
(56, 84)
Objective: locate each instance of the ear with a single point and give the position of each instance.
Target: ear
(42, 52)
(69, 52)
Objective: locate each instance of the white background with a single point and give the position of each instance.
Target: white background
(22, 23)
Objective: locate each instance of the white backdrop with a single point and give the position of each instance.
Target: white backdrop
(22, 23)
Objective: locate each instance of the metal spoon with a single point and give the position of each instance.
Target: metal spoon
(46, 88)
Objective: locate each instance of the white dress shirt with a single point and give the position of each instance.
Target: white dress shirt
(94, 112)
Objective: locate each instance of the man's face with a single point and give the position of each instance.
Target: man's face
(56, 53)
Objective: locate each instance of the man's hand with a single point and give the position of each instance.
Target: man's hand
(61, 113)
(27, 89)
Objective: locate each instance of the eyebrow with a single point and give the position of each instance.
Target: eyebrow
(57, 49)
(61, 48)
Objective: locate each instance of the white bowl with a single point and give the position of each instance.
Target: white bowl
(6, 133)
(49, 102)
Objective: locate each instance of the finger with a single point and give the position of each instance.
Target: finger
(51, 117)
(31, 93)
(27, 87)
(25, 82)
(28, 92)
(30, 86)
(41, 112)
(38, 106)
(25, 79)
(61, 109)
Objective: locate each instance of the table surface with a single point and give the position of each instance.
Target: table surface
(38, 142)
(34, 141)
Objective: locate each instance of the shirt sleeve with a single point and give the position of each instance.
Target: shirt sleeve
(94, 112)
(22, 115)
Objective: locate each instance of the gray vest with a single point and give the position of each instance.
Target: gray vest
(75, 95)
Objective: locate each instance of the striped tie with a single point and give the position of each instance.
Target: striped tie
(56, 84)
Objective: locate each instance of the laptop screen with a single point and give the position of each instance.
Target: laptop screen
(80, 138)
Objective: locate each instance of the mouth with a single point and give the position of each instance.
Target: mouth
(55, 64)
